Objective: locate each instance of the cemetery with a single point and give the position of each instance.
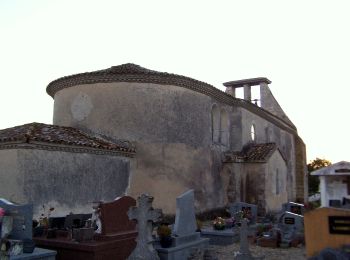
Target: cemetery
(132, 229)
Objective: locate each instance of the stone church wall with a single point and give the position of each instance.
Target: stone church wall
(170, 127)
(267, 132)
(276, 183)
(172, 130)
(69, 182)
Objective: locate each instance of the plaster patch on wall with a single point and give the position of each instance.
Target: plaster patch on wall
(81, 106)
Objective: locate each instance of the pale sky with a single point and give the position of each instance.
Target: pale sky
(303, 47)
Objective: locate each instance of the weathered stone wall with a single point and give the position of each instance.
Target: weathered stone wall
(172, 130)
(11, 178)
(255, 185)
(167, 170)
(69, 182)
(301, 171)
(269, 103)
(268, 132)
(276, 196)
(137, 112)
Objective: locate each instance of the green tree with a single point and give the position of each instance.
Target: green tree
(314, 180)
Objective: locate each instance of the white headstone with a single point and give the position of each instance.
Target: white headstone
(185, 220)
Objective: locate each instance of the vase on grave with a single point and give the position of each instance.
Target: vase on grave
(164, 234)
(166, 241)
(219, 223)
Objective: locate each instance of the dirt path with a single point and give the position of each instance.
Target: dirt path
(227, 252)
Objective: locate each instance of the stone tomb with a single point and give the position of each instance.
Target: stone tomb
(185, 237)
(22, 216)
(16, 231)
(247, 209)
(292, 229)
(293, 207)
(116, 241)
(221, 237)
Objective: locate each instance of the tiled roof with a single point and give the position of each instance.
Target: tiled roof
(128, 72)
(51, 136)
(134, 73)
(252, 153)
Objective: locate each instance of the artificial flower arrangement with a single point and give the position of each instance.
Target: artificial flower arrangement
(247, 214)
(219, 223)
(230, 222)
(44, 217)
(2, 212)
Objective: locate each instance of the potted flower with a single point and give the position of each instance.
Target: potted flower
(219, 223)
(164, 234)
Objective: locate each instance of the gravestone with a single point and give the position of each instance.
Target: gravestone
(244, 252)
(115, 220)
(185, 236)
(145, 215)
(18, 226)
(293, 207)
(116, 225)
(292, 220)
(246, 208)
(292, 229)
(185, 219)
(22, 219)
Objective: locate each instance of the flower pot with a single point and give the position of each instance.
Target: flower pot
(166, 241)
(219, 227)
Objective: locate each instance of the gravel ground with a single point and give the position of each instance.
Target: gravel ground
(227, 252)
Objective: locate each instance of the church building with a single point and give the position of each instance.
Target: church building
(131, 130)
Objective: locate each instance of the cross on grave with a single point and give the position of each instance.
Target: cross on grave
(244, 252)
(145, 215)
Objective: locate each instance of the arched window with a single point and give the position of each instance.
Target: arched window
(224, 127)
(277, 182)
(215, 124)
(253, 133)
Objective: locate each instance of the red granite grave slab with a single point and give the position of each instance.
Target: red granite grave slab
(115, 221)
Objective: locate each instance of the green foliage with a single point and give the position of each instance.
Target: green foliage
(164, 231)
(314, 180)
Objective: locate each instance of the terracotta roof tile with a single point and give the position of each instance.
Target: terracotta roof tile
(252, 153)
(60, 135)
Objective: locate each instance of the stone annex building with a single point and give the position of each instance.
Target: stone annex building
(131, 130)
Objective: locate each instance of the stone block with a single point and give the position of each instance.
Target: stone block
(220, 237)
(181, 252)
